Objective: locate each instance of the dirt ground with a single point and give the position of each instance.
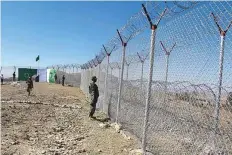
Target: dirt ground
(54, 121)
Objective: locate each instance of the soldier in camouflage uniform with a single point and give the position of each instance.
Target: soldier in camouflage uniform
(94, 93)
(29, 85)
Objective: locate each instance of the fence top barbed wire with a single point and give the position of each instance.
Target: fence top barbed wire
(138, 22)
(188, 112)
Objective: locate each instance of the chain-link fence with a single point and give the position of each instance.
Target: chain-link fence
(170, 85)
(166, 77)
(71, 72)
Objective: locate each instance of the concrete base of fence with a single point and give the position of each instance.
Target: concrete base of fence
(139, 152)
(117, 127)
(125, 134)
(104, 125)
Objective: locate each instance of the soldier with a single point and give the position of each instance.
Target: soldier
(14, 76)
(29, 85)
(2, 79)
(55, 78)
(94, 93)
(63, 78)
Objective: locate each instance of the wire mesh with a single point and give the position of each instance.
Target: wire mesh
(71, 72)
(182, 114)
(186, 121)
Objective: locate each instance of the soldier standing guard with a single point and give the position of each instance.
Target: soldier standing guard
(94, 93)
(29, 85)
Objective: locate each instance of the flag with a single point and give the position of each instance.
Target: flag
(37, 58)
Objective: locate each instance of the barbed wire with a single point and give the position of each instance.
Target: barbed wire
(182, 114)
(190, 106)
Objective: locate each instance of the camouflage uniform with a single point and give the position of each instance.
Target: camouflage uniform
(29, 85)
(94, 93)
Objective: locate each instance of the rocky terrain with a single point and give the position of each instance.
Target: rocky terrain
(54, 121)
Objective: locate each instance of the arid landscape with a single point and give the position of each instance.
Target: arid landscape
(54, 121)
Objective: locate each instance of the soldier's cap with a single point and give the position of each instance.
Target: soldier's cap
(94, 78)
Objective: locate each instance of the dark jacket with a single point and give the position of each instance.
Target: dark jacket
(93, 91)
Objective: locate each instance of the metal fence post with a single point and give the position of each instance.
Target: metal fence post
(106, 86)
(148, 96)
(166, 77)
(124, 44)
(106, 103)
(142, 60)
(167, 53)
(121, 80)
(221, 60)
(141, 82)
